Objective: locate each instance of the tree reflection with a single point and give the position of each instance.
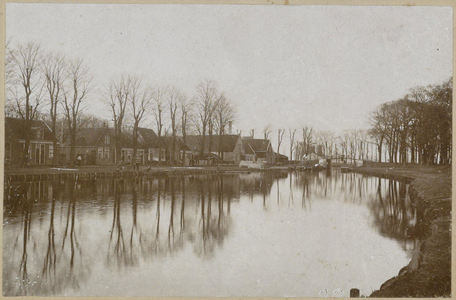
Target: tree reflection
(49, 266)
(394, 213)
(171, 217)
(26, 224)
(135, 235)
(70, 231)
(157, 232)
(182, 214)
(116, 238)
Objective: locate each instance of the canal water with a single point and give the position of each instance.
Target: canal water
(232, 235)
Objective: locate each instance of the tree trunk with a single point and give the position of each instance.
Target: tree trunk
(202, 140)
(118, 133)
(135, 142)
(380, 146)
(72, 147)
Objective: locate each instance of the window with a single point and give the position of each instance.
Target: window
(51, 151)
(107, 139)
(39, 133)
(100, 152)
(106, 153)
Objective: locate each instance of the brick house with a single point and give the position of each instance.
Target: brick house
(41, 150)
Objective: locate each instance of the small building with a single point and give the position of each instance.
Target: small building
(281, 159)
(151, 143)
(41, 149)
(261, 148)
(96, 146)
(228, 147)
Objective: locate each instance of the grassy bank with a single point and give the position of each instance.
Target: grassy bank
(431, 189)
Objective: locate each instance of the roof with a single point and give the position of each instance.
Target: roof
(220, 143)
(14, 128)
(281, 156)
(168, 140)
(88, 136)
(257, 145)
(247, 148)
(149, 136)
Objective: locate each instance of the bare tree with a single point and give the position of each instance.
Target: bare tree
(78, 87)
(174, 98)
(306, 139)
(292, 142)
(185, 116)
(345, 143)
(54, 73)
(89, 120)
(267, 131)
(23, 70)
(280, 134)
(117, 93)
(204, 105)
(224, 115)
(10, 87)
(139, 99)
(327, 139)
(353, 144)
(159, 107)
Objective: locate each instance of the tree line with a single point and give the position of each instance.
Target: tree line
(416, 128)
(46, 85)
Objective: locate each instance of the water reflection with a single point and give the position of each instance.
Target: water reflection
(57, 232)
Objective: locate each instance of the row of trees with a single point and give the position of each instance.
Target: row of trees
(44, 84)
(38, 81)
(350, 144)
(172, 112)
(416, 128)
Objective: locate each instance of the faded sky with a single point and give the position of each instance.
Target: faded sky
(287, 66)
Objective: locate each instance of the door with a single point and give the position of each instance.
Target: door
(37, 153)
(42, 154)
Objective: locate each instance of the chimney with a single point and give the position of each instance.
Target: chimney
(230, 127)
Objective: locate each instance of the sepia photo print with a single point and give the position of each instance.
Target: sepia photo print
(227, 150)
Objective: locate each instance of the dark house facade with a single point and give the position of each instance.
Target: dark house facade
(97, 146)
(228, 147)
(94, 145)
(41, 150)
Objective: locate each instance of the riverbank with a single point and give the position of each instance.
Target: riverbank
(112, 171)
(429, 272)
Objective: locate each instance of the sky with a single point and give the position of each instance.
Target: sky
(284, 66)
